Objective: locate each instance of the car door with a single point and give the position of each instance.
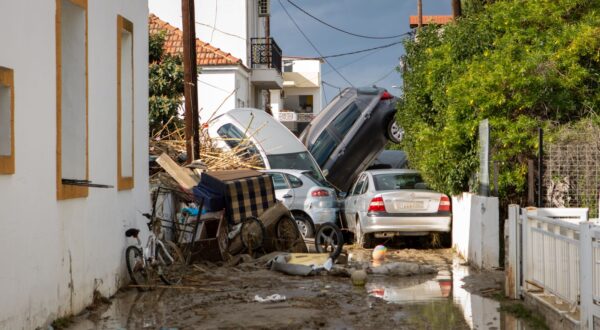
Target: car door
(299, 190)
(283, 190)
(363, 197)
(351, 202)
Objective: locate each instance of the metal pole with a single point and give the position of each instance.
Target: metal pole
(540, 169)
(190, 76)
(420, 12)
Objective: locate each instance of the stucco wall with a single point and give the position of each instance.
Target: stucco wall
(475, 229)
(55, 253)
(221, 89)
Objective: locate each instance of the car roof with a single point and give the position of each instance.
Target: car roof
(392, 171)
(273, 137)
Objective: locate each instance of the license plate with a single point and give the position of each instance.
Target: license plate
(409, 205)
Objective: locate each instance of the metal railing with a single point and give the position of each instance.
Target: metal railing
(265, 53)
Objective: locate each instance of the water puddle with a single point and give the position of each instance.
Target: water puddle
(441, 302)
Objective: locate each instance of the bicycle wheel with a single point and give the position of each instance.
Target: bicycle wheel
(287, 235)
(329, 239)
(135, 267)
(252, 233)
(170, 273)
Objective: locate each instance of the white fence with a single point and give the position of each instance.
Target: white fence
(555, 252)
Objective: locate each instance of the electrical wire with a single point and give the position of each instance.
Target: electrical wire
(311, 43)
(354, 61)
(363, 50)
(340, 30)
(218, 30)
(385, 76)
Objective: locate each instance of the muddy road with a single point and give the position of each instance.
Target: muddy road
(224, 298)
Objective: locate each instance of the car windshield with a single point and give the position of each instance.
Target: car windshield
(237, 140)
(323, 147)
(396, 181)
(295, 161)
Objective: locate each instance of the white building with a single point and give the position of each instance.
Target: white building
(302, 93)
(73, 109)
(237, 29)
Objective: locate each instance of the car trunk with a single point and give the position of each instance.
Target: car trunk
(411, 201)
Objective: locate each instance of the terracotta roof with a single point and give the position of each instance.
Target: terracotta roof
(427, 20)
(205, 53)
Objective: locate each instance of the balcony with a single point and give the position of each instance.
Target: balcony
(265, 61)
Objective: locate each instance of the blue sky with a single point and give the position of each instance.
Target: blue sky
(374, 17)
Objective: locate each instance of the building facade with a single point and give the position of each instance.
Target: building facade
(238, 28)
(73, 111)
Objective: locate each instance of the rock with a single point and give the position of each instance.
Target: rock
(359, 277)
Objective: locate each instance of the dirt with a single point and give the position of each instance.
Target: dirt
(223, 298)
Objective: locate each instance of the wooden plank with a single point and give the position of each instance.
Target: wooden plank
(182, 175)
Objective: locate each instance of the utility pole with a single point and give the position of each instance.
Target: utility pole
(456, 9)
(190, 77)
(420, 12)
(269, 60)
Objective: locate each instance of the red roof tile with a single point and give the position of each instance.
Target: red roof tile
(205, 53)
(427, 20)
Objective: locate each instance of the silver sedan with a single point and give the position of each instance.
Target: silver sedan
(311, 202)
(394, 202)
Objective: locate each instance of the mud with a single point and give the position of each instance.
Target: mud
(223, 298)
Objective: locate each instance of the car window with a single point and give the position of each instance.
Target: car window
(323, 147)
(296, 161)
(344, 121)
(396, 181)
(294, 181)
(235, 138)
(359, 185)
(365, 185)
(279, 181)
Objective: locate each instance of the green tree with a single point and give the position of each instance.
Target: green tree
(521, 64)
(166, 85)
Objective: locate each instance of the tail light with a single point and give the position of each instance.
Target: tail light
(386, 96)
(444, 204)
(376, 205)
(320, 193)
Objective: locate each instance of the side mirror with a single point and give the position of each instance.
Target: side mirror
(342, 194)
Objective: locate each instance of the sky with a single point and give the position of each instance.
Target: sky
(372, 18)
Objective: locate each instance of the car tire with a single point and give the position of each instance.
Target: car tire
(362, 240)
(394, 132)
(305, 225)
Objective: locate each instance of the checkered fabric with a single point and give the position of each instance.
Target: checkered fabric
(248, 197)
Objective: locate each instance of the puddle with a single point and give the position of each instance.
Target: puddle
(440, 302)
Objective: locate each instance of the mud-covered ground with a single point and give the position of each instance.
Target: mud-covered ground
(224, 298)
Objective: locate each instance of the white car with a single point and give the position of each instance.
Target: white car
(277, 147)
(311, 202)
(395, 202)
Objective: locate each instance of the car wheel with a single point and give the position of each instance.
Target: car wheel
(394, 131)
(304, 225)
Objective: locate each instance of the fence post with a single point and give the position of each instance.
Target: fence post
(586, 264)
(526, 245)
(512, 246)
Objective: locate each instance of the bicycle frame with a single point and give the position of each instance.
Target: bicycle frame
(149, 252)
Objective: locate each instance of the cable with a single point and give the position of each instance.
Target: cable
(354, 61)
(386, 75)
(338, 29)
(218, 30)
(363, 50)
(330, 85)
(313, 46)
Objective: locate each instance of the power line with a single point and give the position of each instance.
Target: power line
(363, 50)
(312, 45)
(338, 29)
(385, 76)
(354, 61)
(330, 85)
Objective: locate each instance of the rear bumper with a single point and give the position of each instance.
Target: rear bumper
(407, 224)
(320, 216)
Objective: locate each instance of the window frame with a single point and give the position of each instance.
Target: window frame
(124, 183)
(7, 163)
(64, 191)
(287, 183)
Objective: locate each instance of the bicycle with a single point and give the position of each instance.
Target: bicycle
(142, 261)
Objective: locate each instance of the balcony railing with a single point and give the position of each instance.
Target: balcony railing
(265, 53)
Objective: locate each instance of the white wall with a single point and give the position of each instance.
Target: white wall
(221, 89)
(475, 229)
(55, 253)
(315, 92)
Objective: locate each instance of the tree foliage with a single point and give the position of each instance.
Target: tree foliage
(166, 85)
(521, 64)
